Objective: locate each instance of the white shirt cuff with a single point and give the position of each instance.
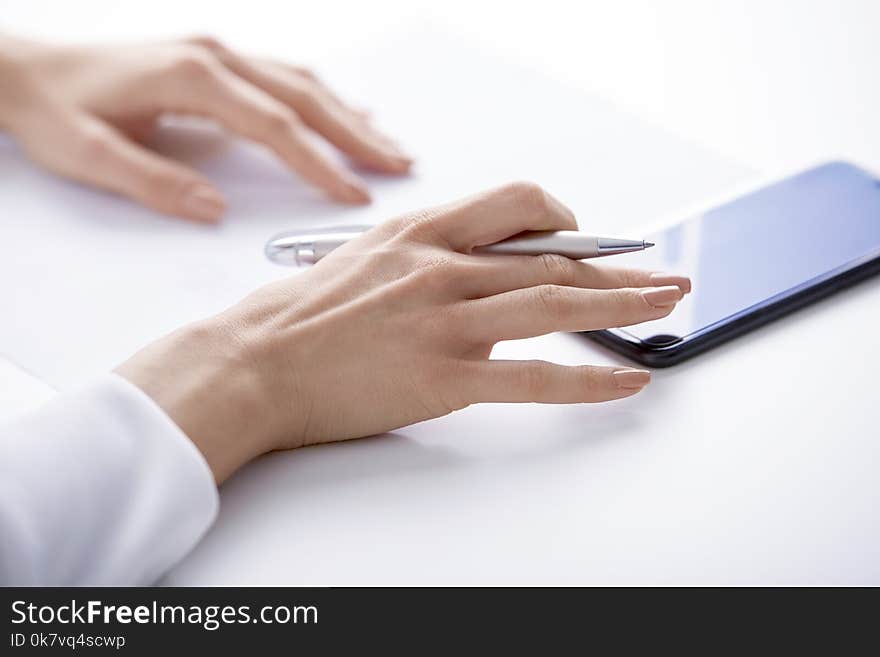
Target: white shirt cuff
(99, 487)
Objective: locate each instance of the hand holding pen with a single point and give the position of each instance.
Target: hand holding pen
(307, 248)
(397, 326)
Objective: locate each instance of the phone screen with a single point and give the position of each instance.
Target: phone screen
(740, 255)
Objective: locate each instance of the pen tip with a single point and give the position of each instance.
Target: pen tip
(648, 245)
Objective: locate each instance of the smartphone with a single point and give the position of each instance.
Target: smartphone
(756, 258)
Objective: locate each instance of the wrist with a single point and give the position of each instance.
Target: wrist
(207, 382)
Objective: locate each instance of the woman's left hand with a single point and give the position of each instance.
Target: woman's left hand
(83, 112)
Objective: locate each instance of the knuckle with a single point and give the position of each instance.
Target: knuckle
(92, 147)
(626, 297)
(442, 264)
(388, 230)
(634, 277)
(592, 379)
(558, 269)
(192, 63)
(455, 395)
(206, 41)
(535, 379)
(306, 72)
(529, 196)
(304, 96)
(418, 227)
(438, 272)
(551, 299)
(277, 122)
(416, 221)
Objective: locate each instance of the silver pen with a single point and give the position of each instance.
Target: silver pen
(307, 248)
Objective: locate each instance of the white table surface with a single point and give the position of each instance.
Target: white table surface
(754, 463)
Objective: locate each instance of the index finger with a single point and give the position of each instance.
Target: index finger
(497, 214)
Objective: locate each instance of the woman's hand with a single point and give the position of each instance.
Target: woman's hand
(396, 327)
(82, 111)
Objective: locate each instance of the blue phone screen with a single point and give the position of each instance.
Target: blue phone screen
(763, 245)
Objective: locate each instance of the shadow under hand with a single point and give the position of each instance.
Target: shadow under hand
(333, 465)
(255, 182)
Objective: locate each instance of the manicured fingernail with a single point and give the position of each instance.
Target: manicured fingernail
(204, 202)
(353, 190)
(660, 279)
(395, 157)
(400, 161)
(631, 379)
(660, 297)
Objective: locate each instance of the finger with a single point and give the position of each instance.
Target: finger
(549, 383)
(201, 85)
(606, 277)
(326, 115)
(544, 309)
(349, 133)
(495, 274)
(301, 72)
(494, 215)
(94, 153)
(317, 105)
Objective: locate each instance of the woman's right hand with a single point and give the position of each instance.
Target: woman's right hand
(397, 327)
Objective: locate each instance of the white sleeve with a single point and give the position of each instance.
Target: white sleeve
(99, 487)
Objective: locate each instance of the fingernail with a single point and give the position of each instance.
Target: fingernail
(395, 157)
(660, 279)
(660, 297)
(204, 202)
(353, 190)
(401, 161)
(631, 379)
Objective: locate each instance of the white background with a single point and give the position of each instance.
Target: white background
(752, 464)
(770, 83)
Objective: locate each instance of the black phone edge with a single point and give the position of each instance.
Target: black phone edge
(685, 349)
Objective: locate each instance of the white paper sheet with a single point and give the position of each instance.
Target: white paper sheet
(88, 278)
